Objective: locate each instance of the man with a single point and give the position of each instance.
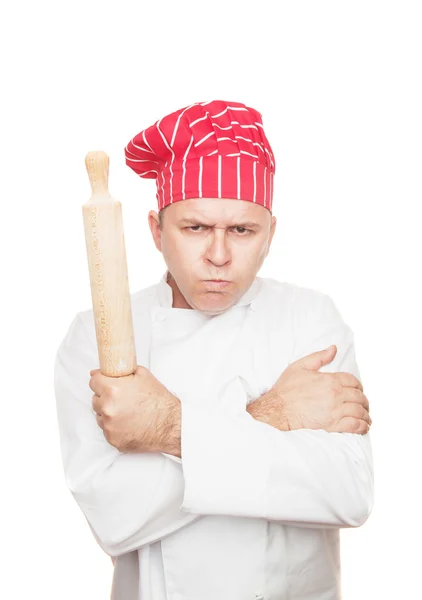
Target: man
(225, 466)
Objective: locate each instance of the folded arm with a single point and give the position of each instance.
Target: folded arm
(235, 465)
(128, 499)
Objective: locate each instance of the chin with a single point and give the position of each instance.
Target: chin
(214, 312)
(214, 303)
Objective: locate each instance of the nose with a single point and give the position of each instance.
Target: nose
(218, 251)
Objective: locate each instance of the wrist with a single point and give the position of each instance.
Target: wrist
(268, 409)
(170, 434)
(259, 408)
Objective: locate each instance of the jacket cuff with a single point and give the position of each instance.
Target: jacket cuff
(172, 457)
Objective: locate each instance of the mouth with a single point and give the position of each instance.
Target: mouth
(217, 283)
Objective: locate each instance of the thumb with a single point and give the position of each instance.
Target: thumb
(318, 359)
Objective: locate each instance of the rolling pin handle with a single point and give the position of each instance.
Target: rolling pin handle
(97, 165)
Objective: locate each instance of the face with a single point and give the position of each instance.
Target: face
(206, 239)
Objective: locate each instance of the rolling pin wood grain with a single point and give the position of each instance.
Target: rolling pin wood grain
(105, 246)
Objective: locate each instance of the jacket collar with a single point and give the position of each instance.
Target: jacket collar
(165, 293)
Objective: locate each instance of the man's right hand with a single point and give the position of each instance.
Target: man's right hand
(303, 398)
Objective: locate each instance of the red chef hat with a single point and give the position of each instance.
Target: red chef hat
(213, 149)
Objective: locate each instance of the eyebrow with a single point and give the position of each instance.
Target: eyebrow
(198, 221)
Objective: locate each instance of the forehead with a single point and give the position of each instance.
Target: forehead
(218, 211)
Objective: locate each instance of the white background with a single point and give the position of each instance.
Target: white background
(339, 87)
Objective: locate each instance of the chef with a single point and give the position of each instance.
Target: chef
(226, 465)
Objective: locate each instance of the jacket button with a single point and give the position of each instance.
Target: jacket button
(160, 317)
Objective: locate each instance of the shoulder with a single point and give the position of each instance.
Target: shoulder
(294, 298)
(312, 320)
(297, 310)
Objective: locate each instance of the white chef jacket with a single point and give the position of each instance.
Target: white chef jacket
(249, 512)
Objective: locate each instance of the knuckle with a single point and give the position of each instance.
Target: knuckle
(108, 435)
(364, 427)
(356, 395)
(351, 424)
(353, 412)
(353, 379)
(141, 371)
(356, 410)
(335, 388)
(340, 377)
(108, 409)
(108, 430)
(349, 409)
(111, 391)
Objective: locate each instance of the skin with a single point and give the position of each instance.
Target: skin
(212, 246)
(138, 414)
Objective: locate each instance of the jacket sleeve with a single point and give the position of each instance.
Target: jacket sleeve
(128, 499)
(236, 465)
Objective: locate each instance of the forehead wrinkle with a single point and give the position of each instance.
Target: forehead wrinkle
(234, 222)
(227, 213)
(210, 219)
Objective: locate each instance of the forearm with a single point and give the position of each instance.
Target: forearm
(167, 439)
(240, 466)
(262, 409)
(129, 499)
(237, 466)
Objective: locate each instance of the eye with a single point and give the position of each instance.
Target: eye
(194, 228)
(243, 232)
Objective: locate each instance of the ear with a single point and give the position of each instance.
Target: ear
(272, 232)
(154, 226)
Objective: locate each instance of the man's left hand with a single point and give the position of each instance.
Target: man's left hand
(136, 412)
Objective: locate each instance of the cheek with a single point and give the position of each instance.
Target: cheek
(169, 246)
(252, 254)
(263, 248)
(179, 254)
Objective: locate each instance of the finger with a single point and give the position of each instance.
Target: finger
(98, 382)
(99, 421)
(93, 384)
(316, 360)
(94, 371)
(96, 404)
(352, 425)
(354, 395)
(357, 411)
(348, 380)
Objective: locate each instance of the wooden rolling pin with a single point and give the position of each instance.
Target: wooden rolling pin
(105, 246)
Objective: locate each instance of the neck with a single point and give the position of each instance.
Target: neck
(178, 298)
